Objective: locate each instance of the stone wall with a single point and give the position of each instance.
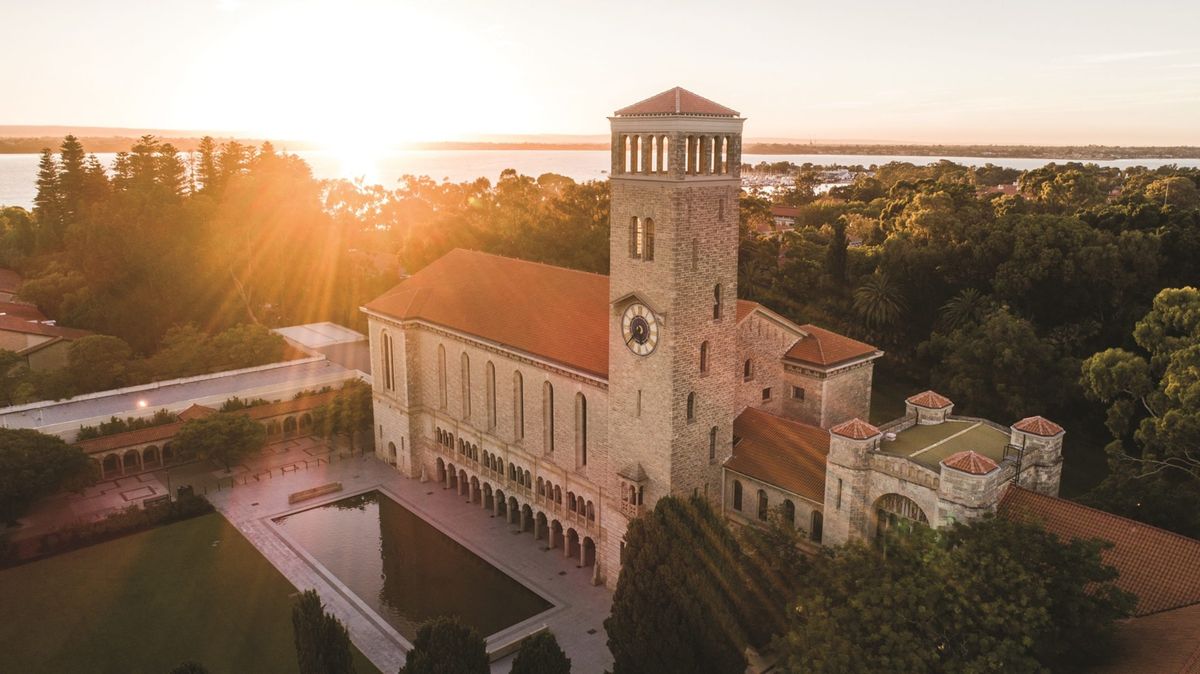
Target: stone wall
(748, 514)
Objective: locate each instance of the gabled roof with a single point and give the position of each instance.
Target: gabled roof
(1163, 643)
(556, 313)
(107, 443)
(1162, 568)
(196, 411)
(27, 327)
(745, 308)
(1038, 426)
(929, 400)
(677, 101)
(855, 429)
(826, 348)
(21, 310)
(781, 452)
(970, 462)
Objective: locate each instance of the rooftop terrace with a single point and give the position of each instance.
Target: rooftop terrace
(928, 445)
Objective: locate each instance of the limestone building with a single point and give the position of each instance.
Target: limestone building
(570, 402)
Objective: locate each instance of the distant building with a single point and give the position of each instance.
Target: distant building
(784, 217)
(10, 282)
(42, 344)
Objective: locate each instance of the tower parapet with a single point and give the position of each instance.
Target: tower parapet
(928, 408)
(677, 135)
(1038, 441)
(847, 481)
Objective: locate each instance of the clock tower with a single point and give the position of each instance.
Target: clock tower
(672, 355)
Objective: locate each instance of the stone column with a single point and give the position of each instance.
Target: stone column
(618, 152)
(705, 155)
(718, 150)
(495, 505)
(537, 528)
(647, 144)
(523, 520)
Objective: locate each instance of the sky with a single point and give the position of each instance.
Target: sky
(350, 71)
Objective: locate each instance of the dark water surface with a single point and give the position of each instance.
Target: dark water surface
(406, 570)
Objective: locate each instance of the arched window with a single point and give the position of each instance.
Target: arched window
(581, 429)
(712, 444)
(389, 362)
(547, 417)
(490, 385)
(518, 405)
(789, 512)
(704, 357)
(716, 301)
(635, 237)
(747, 370)
(528, 481)
(466, 385)
(814, 532)
(648, 245)
(762, 505)
(441, 376)
(691, 407)
(591, 512)
(737, 495)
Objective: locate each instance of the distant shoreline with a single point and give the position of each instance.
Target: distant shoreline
(34, 145)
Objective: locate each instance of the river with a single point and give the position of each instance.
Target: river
(18, 172)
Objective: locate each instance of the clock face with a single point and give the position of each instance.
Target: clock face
(639, 329)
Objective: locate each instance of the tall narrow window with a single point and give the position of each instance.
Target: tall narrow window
(639, 403)
(747, 370)
(635, 237)
(712, 444)
(547, 417)
(490, 384)
(389, 363)
(648, 237)
(518, 405)
(581, 429)
(704, 357)
(737, 495)
(762, 505)
(695, 253)
(789, 512)
(465, 364)
(691, 407)
(441, 376)
(716, 301)
(816, 531)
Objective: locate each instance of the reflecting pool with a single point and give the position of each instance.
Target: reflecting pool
(406, 570)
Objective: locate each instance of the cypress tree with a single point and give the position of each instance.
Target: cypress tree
(446, 646)
(71, 178)
(322, 643)
(541, 654)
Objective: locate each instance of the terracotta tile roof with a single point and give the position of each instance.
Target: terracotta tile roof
(27, 327)
(970, 462)
(785, 211)
(9, 281)
(677, 101)
(1164, 643)
(1160, 567)
(22, 310)
(745, 308)
(556, 313)
(1038, 426)
(855, 429)
(196, 412)
(825, 347)
(108, 443)
(930, 400)
(301, 404)
(782, 452)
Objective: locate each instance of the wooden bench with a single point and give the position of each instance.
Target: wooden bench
(314, 492)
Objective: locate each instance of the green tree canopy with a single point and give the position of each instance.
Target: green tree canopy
(993, 596)
(225, 437)
(34, 465)
(446, 646)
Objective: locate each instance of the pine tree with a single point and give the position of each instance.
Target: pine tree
(446, 646)
(71, 178)
(170, 171)
(206, 166)
(322, 643)
(541, 654)
(47, 205)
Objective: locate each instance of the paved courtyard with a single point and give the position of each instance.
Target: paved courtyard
(580, 608)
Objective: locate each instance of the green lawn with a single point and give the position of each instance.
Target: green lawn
(195, 590)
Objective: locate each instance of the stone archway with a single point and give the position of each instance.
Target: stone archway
(895, 511)
(110, 465)
(541, 526)
(526, 518)
(587, 555)
(289, 426)
(150, 456)
(132, 461)
(572, 544)
(514, 509)
(556, 534)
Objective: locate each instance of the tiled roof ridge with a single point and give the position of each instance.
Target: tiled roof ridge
(929, 398)
(968, 461)
(473, 251)
(855, 429)
(1036, 424)
(1077, 504)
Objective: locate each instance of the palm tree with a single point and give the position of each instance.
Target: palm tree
(967, 306)
(878, 302)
